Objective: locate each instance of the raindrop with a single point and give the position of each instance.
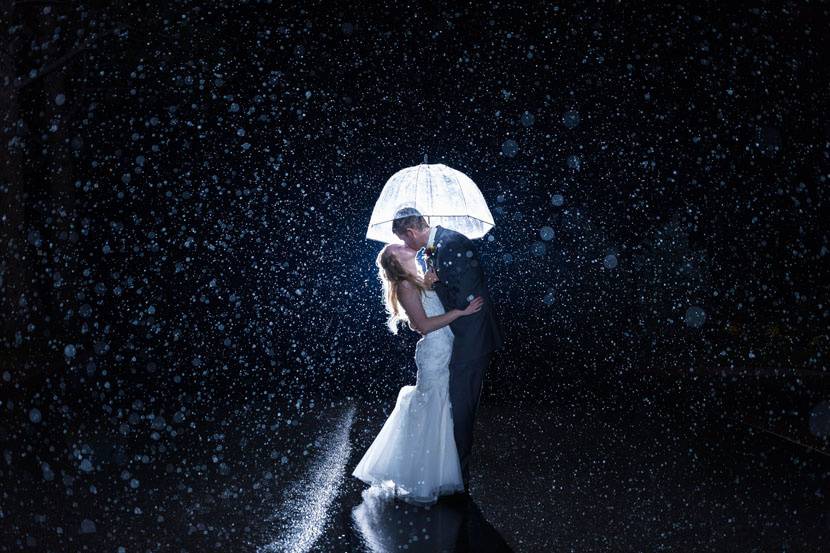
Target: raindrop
(557, 200)
(69, 351)
(571, 119)
(510, 148)
(34, 415)
(60, 99)
(538, 248)
(546, 233)
(528, 119)
(610, 261)
(695, 316)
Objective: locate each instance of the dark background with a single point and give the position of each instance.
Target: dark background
(186, 188)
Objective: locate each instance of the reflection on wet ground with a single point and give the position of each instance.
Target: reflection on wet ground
(614, 471)
(455, 523)
(369, 519)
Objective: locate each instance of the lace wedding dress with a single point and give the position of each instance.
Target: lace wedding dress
(414, 454)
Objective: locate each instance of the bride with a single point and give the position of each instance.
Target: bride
(414, 455)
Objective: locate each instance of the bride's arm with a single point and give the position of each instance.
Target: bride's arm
(418, 320)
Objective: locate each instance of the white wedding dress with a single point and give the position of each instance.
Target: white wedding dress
(414, 454)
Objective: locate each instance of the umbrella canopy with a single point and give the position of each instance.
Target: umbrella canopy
(443, 195)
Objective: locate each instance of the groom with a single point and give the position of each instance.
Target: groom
(460, 279)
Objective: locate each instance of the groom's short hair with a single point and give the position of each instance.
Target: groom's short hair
(407, 218)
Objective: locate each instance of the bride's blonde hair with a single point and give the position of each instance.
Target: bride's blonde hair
(391, 274)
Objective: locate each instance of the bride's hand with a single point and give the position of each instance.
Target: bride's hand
(473, 306)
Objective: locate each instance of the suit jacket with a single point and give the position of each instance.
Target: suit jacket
(461, 275)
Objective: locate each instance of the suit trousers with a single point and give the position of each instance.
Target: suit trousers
(465, 392)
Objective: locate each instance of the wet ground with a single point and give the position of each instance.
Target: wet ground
(599, 468)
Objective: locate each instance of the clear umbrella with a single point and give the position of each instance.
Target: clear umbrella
(444, 196)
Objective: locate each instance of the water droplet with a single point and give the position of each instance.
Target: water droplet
(571, 119)
(695, 316)
(510, 148)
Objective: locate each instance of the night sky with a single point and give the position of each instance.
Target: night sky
(186, 188)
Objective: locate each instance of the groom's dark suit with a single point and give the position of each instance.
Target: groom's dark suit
(460, 274)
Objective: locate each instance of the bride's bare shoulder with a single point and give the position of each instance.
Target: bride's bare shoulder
(407, 286)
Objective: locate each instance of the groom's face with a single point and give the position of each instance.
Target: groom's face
(412, 239)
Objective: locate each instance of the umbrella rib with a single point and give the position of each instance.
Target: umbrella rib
(463, 196)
